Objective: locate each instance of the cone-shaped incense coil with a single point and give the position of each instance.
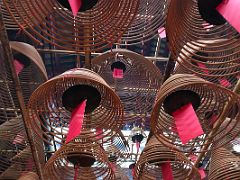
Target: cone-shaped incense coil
(204, 97)
(220, 67)
(90, 161)
(136, 96)
(196, 44)
(150, 17)
(155, 155)
(224, 165)
(91, 30)
(52, 103)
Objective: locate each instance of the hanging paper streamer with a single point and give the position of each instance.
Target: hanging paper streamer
(76, 121)
(213, 119)
(167, 173)
(75, 6)
(137, 145)
(203, 67)
(113, 166)
(117, 73)
(202, 173)
(18, 139)
(99, 132)
(229, 9)
(162, 32)
(193, 157)
(18, 66)
(76, 172)
(29, 167)
(224, 82)
(187, 123)
(133, 172)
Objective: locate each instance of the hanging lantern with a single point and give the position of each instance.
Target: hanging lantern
(57, 100)
(78, 161)
(179, 118)
(157, 161)
(93, 25)
(136, 96)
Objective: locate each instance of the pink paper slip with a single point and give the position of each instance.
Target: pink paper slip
(167, 173)
(76, 121)
(113, 166)
(76, 173)
(187, 123)
(229, 9)
(224, 82)
(207, 25)
(75, 6)
(202, 173)
(18, 139)
(137, 146)
(99, 133)
(117, 73)
(162, 32)
(18, 66)
(203, 68)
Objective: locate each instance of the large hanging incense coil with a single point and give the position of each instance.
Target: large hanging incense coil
(136, 96)
(89, 160)
(33, 73)
(91, 30)
(224, 165)
(150, 17)
(211, 104)
(12, 13)
(15, 153)
(205, 59)
(191, 41)
(155, 155)
(52, 103)
(29, 176)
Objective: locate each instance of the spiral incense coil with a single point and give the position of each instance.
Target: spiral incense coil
(203, 60)
(88, 160)
(12, 13)
(155, 155)
(52, 103)
(33, 73)
(91, 30)
(15, 153)
(29, 176)
(211, 104)
(192, 41)
(136, 96)
(224, 165)
(150, 17)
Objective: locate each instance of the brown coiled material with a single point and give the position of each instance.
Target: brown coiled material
(46, 107)
(29, 176)
(213, 100)
(224, 165)
(155, 154)
(138, 88)
(15, 153)
(190, 42)
(89, 159)
(92, 30)
(150, 17)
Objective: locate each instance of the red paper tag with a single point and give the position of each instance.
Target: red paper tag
(117, 73)
(76, 121)
(18, 66)
(76, 172)
(202, 173)
(113, 167)
(224, 82)
(99, 133)
(137, 146)
(193, 157)
(162, 32)
(229, 9)
(203, 67)
(75, 6)
(167, 173)
(187, 123)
